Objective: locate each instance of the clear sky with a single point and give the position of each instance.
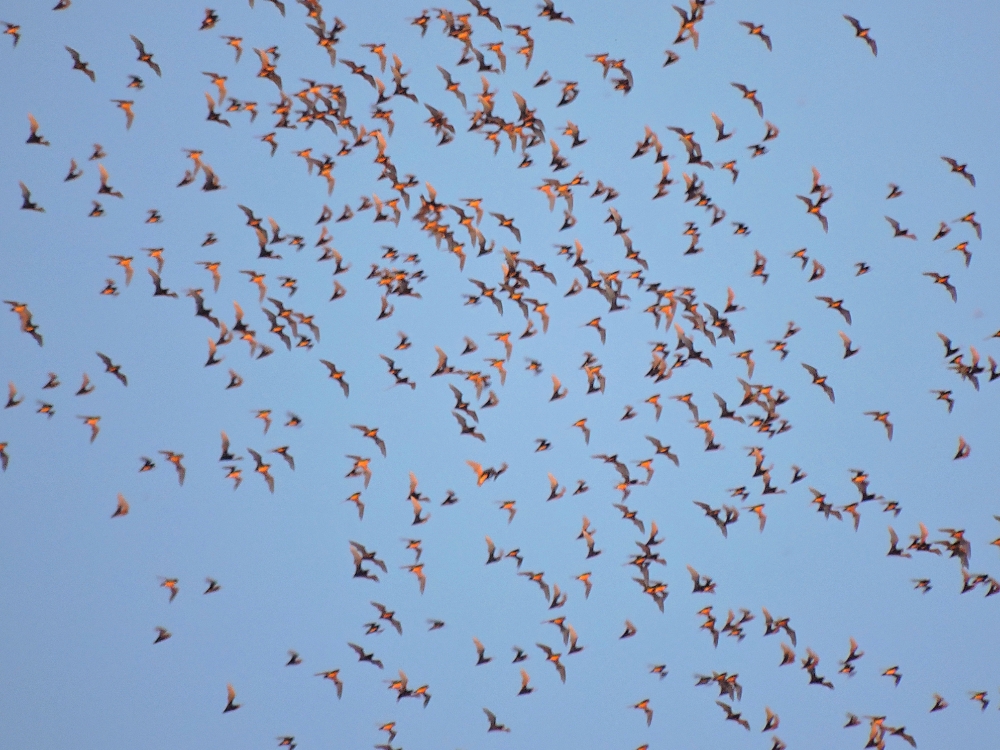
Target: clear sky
(81, 592)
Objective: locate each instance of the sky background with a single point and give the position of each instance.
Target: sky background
(80, 591)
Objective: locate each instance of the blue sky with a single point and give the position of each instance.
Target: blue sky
(81, 591)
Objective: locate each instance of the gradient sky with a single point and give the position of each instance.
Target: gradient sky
(80, 591)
